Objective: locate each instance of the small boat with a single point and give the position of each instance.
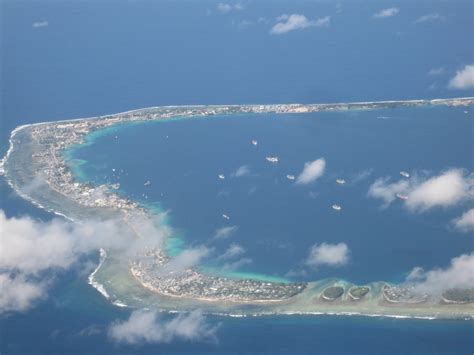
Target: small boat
(148, 182)
(272, 159)
(336, 207)
(225, 216)
(404, 174)
(340, 181)
(221, 176)
(290, 177)
(402, 197)
(254, 142)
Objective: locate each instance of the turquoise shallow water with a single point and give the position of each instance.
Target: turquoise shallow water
(74, 320)
(276, 220)
(95, 59)
(88, 316)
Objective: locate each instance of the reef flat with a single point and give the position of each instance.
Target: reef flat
(36, 167)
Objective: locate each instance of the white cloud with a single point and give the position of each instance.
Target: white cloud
(243, 170)
(185, 260)
(311, 171)
(232, 256)
(244, 24)
(459, 274)
(293, 22)
(37, 250)
(360, 176)
(328, 254)
(447, 189)
(35, 246)
(464, 78)
(465, 223)
(233, 251)
(323, 21)
(290, 23)
(89, 331)
(236, 264)
(146, 327)
(39, 24)
(385, 191)
(225, 232)
(429, 18)
(387, 13)
(436, 71)
(226, 8)
(18, 293)
(34, 185)
(282, 17)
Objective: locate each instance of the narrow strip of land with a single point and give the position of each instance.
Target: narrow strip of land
(36, 154)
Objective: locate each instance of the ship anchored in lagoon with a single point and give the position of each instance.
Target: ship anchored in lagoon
(64, 195)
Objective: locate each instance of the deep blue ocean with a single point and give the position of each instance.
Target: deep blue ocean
(99, 57)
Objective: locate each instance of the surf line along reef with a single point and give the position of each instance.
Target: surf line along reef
(37, 155)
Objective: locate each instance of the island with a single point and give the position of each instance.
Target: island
(36, 157)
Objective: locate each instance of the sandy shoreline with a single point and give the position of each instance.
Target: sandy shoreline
(109, 121)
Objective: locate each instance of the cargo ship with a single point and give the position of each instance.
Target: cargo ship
(272, 159)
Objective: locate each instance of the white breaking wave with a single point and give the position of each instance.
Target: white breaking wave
(321, 313)
(119, 303)
(92, 281)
